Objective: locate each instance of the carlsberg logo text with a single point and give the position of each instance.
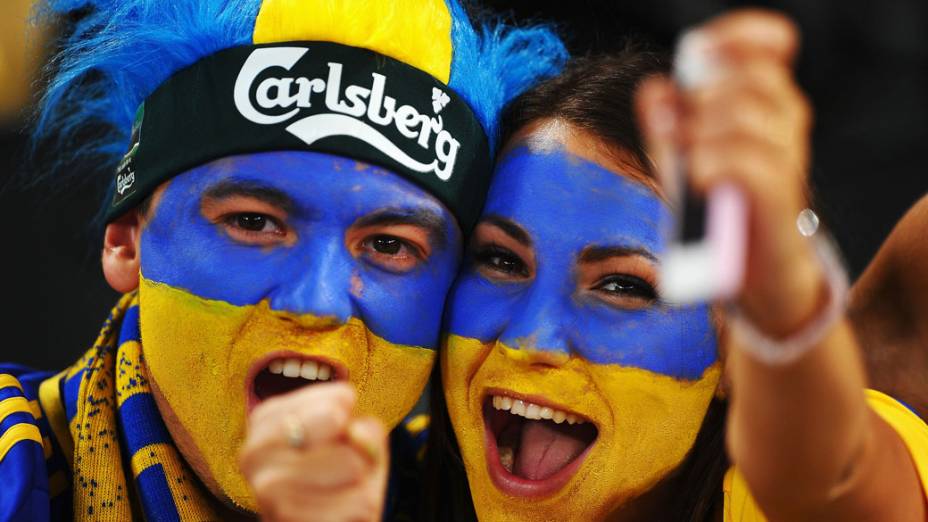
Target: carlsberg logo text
(353, 110)
(124, 182)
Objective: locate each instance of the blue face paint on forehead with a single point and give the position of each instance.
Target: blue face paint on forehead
(568, 205)
(540, 189)
(324, 196)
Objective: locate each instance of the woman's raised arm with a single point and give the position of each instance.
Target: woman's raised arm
(800, 432)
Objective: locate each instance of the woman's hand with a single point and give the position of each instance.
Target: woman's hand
(308, 458)
(800, 433)
(746, 122)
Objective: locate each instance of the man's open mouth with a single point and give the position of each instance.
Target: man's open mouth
(284, 373)
(533, 449)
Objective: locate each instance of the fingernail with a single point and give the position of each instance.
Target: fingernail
(358, 440)
(696, 63)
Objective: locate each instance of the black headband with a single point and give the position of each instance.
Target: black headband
(317, 96)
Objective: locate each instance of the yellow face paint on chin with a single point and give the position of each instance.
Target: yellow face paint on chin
(199, 353)
(646, 421)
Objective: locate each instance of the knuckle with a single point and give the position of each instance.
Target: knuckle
(364, 511)
(263, 486)
(246, 461)
(251, 456)
(354, 464)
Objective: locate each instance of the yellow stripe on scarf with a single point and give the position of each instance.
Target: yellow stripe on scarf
(101, 485)
(416, 32)
(18, 433)
(100, 488)
(10, 437)
(184, 490)
(7, 381)
(14, 405)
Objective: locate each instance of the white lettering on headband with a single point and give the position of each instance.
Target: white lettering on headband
(354, 111)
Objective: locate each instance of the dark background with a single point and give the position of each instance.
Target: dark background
(864, 65)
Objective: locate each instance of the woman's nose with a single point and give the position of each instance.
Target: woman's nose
(542, 326)
(319, 283)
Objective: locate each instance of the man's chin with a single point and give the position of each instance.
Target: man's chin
(244, 504)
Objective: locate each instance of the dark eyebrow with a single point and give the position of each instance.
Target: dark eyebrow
(432, 222)
(250, 189)
(510, 228)
(593, 254)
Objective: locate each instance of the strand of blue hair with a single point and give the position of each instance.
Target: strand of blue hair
(120, 51)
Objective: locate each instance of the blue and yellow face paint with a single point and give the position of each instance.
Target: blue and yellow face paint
(568, 329)
(213, 308)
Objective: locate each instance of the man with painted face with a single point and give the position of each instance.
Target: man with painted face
(290, 210)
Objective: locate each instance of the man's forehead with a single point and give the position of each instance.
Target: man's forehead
(310, 179)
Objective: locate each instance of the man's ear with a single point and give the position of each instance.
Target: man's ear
(121, 252)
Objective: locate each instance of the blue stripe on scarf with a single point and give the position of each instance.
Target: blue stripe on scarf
(17, 417)
(141, 424)
(157, 500)
(130, 326)
(9, 392)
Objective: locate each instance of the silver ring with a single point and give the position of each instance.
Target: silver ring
(296, 433)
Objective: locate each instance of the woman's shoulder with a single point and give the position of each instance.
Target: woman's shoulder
(740, 506)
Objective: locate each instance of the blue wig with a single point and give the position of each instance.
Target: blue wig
(122, 50)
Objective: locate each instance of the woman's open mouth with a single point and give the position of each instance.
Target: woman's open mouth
(285, 372)
(533, 448)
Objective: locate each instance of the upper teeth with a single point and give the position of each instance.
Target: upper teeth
(309, 370)
(534, 411)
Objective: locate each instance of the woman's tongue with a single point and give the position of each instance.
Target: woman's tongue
(545, 448)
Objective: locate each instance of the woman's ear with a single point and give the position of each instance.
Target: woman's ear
(121, 252)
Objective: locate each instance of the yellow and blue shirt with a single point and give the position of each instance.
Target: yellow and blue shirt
(34, 477)
(740, 505)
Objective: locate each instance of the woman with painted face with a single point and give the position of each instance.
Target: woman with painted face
(575, 393)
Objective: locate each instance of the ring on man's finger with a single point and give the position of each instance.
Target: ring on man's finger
(296, 433)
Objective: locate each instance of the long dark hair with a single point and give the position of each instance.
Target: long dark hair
(594, 94)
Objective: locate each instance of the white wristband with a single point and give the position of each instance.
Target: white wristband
(779, 352)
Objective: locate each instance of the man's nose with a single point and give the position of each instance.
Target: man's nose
(318, 282)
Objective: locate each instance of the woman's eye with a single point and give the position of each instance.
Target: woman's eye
(501, 260)
(627, 286)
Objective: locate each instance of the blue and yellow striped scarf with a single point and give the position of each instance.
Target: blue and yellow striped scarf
(117, 433)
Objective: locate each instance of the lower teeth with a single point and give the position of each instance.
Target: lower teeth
(507, 458)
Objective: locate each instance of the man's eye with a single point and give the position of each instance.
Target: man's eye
(389, 245)
(254, 222)
(392, 253)
(627, 286)
(501, 260)
(254, 228)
